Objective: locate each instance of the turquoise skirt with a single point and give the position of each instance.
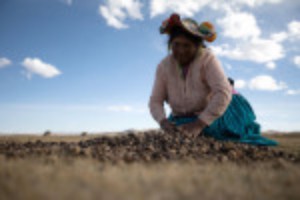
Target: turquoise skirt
(236, 124)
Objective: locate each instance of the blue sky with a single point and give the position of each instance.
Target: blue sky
(78, 65)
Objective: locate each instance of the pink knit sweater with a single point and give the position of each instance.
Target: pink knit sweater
(205, 91)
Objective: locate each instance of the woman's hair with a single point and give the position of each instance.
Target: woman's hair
(178, 31)
(231, 81)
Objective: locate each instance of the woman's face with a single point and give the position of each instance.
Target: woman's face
(183, 50)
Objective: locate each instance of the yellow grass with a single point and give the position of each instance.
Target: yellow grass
(79, 178)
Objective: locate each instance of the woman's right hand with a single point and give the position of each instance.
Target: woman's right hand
(167, 126)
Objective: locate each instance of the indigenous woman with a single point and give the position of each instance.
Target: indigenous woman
(190, 79)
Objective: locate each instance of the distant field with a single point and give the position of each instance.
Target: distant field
(288, 142)
(31, 173)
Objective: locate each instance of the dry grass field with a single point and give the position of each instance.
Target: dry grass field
(77, 167)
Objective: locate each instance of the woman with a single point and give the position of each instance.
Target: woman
(190, 79)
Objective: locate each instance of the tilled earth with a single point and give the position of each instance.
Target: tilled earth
(147, 146)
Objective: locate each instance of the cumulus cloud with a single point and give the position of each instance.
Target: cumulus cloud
(292, 33)
(294, 29)
(239, 25)
(191, 7)
(256, 50)
(240, 84)
(4, 62)
(271, 65)
(279, 37)
(37, 66)
(185, 8)
(249, 45)
(297, 61)
(254, 3)
(266, 83)
(116, 11)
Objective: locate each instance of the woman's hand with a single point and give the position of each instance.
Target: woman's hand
(193, 129)
(167, 126)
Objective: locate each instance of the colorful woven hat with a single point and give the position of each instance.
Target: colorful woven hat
(205, 30)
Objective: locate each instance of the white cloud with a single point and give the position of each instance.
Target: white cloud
(254, 3)
(185, 8)
(297, 61)
(239, 84)
(191, 7)
(294, 29)
(249, 45)
(266, 83)
(125, 108)
(256, 50)
(112, 20)
(293, 92)
(37, 66)
(116, 11)
(271, 65)
(4, 62)
(279, 37)
(292, 33)
(239, 25)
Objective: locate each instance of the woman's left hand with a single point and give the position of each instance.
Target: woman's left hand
(192, 129)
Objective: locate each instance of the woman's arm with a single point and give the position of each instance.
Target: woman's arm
(158, 96)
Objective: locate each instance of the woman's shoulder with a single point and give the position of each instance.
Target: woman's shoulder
(206, 56)
(166, 61)
(207, 53)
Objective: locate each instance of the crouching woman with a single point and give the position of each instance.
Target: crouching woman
(190, 79)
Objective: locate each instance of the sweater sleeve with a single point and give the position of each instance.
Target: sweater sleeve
(158, 96)
(220, 91)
